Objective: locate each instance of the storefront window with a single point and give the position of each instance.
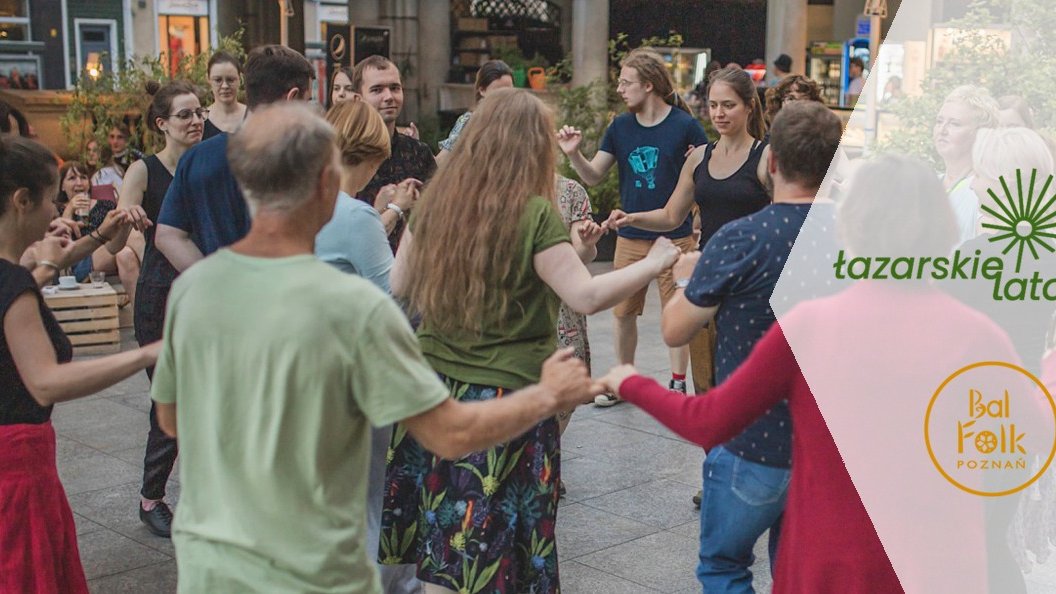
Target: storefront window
(14, 20)
(182, 36)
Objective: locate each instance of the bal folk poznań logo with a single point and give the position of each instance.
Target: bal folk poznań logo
(1021, 223)
(990, 428)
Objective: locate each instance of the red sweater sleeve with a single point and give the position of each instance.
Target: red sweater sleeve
(710, 419)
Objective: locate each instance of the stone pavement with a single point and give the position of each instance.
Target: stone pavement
(627, 524)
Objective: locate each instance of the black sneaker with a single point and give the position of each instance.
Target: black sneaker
(561, 489)
(677, 385)
(697, 499)
(158, 520)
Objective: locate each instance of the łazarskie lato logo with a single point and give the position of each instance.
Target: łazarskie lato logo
(1021, 223)
(990, 428)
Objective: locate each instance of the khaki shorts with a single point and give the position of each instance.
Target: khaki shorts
(629, 251)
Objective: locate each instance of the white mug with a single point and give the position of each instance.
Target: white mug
(68, 282)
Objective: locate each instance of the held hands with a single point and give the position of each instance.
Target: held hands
(404, 195)
(664, 252)
(569, 139)
(61, 227)
(615, 377)
(138, 217)
(618, 219)
(590, 232)
(52, 249)
(116, 220)
(567, 378)
(686, 264)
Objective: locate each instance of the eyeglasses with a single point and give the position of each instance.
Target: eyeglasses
(185, 115)
(622, 83)
(221, 81)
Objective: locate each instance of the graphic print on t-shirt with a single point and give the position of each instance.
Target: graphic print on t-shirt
(643, 162)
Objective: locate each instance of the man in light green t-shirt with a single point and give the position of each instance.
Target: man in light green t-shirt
(273, 367)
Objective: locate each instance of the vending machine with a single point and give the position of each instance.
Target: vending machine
(825, 66)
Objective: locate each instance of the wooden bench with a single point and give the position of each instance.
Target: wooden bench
(89, 316)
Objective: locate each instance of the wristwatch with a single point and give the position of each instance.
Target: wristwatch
(396, 209)
(682, 283)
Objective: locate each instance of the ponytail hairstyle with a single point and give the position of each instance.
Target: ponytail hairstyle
(741, 82)
(651, 69)
(163, 98)
(25, 163)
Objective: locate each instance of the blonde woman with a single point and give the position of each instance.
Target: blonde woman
(965, 111)
(354, 240)
(487, 261)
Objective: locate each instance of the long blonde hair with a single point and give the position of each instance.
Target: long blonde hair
(467, 223)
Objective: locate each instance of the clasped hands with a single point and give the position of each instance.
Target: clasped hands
(569, 381)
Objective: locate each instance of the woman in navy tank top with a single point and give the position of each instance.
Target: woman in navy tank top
(727, 179)
(177, 114)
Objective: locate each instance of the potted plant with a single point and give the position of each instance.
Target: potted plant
(517, 63)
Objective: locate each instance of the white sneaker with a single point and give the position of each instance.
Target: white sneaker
(606, 400)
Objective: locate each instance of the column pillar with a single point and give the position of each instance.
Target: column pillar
(590, 40)
(786, 32)
(434, 53)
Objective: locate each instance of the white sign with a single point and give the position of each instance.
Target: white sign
(333, 13)
(184, 7)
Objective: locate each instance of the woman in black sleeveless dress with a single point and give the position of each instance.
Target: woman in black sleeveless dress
(177, 114)
(38, 542)
(225, 79)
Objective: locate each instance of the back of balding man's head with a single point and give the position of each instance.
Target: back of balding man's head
(277, 161)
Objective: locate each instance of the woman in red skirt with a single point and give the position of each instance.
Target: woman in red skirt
(38, 543)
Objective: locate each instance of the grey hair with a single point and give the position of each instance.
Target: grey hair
(979, 100)
(278, 155)
(1000, 151)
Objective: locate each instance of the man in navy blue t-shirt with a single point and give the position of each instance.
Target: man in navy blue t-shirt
(203, 209)
(649, 145)
(732, 282)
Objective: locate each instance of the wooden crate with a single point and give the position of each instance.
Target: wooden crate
(472, 24)
(89, 317)
(124, 312)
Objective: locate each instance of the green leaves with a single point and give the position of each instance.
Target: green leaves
(120, 97)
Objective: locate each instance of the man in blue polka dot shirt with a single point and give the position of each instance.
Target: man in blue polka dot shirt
(730, 282)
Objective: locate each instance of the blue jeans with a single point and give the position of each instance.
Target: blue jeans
(741, 501)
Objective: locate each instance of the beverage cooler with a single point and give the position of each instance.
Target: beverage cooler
(829, 65)
(825, 66)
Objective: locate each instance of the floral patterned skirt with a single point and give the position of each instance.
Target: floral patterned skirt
(483, 524)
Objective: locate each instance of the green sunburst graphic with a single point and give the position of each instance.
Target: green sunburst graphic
(1026, 219)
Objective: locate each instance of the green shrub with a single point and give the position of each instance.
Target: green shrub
(115, 97)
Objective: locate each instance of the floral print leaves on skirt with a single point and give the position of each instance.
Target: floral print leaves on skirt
(483, 524)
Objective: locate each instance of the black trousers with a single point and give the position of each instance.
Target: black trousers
(149, 320)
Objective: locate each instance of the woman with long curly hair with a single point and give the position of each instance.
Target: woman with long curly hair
(486, 261)
(791, 88)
